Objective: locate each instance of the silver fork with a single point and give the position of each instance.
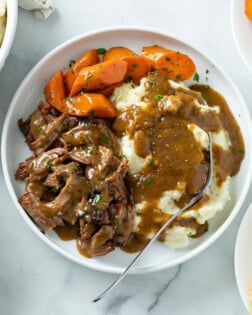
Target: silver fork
(194, 199)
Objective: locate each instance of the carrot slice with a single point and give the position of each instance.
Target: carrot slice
(88, 59)
(108, 90)
(117, 53)
(153, 53)
(137, 68)
(88, 104)
(248, 8)
(175, 66)
(100, 75)
(55, 90)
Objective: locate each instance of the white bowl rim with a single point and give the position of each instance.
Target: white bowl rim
(108, 269)
(11, 24)
(237, 44)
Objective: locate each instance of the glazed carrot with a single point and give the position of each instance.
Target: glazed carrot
(88, 104)
(100, 75)
(175, 66)
(248, 8)
(137, 68)
(117, 53)
(55, 90)
(88, 59)
(153, 53)
(108, 90)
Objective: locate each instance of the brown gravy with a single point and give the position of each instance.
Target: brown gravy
(175, 155)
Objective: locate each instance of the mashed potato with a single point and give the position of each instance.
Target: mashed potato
(176, 236)
(2, 19)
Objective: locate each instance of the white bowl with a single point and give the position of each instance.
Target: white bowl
(12, 15)
(30, 92)
(243, 256)
(242, 31)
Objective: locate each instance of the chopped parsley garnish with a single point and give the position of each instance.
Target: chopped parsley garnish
(92, 112)
(135, 65)
(167, 58)
(196, 77)
(151, 132)
(207, 86)
(152, 82)
(158, 97)
(207, 71)
(105, 138)
(205, 96)
(98, 198)
(49, 165)
(241, 151)
(101, 51)
(147, 181)
(153, 72)
(178, 76)
(123, 156)
(151, 162)
(115, 223)
(128, 79)
(89, 76)
(165, 117)
(71, 63)
(71, 100)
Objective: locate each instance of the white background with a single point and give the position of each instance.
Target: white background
(34, 280)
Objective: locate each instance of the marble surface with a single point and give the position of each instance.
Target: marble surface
(36, 280)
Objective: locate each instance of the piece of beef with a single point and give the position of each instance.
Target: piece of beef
(60, 173)
(30, 203)
(100, 243)
(53, 130)
(40, 165)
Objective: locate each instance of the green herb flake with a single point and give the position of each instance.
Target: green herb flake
(196, 77)
(158, 97)
(178, 76)
(151, 132)
(205, 96)
(128, 79)
(115, 223)
(167, 58)
(135, 65)
(207, 86)
(123, 156)
(147, 180)
(49, 165)
(91, 112)
(151, 162)
(153, 73)
(89, 76)
(207, 71)
(105, 138)
(71, 63)
(101, 51)
(165, 69)
(241, 150)
(98, 198)
(152, 82)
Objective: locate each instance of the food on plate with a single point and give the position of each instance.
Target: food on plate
(120, 144)
(3, 17)
(248, 9)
